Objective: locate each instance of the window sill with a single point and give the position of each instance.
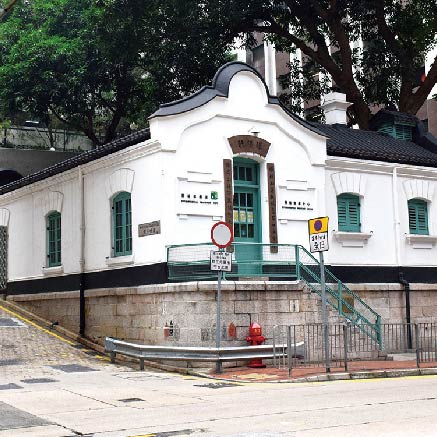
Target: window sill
(120, 260)
(53, 271)
(419, 241)
(352, 239)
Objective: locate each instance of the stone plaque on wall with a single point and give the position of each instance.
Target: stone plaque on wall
(249, 144)
(152, 228)
(273, 222)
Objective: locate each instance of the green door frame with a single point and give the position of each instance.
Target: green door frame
(246, 181)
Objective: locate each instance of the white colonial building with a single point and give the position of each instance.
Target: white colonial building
(106, 218)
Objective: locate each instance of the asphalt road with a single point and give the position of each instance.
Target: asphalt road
(66, 391)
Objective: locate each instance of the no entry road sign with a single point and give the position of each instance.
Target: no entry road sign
(222, 235)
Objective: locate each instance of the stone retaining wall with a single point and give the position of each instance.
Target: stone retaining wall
(185, 313)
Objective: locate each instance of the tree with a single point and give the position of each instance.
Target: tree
(396, 36)
(100, 65)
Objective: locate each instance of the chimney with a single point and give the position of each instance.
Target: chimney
(334, 106)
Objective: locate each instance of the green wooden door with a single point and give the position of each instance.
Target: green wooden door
(247, 220)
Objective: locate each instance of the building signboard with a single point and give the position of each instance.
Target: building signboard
(249, 144)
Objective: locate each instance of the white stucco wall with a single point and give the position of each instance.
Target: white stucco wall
(185, 155)
(384, 191)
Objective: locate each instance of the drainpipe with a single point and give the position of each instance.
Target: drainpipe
(397, 230)
(397, 222)
(406, 285)
(82, 255)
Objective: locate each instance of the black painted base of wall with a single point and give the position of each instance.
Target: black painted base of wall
(157, 274)
(376, 274)
(126, 277)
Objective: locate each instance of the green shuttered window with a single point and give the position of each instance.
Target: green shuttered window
(54, 239)
(418, 216)
(348, 209)
(399, 131)
(122, 224)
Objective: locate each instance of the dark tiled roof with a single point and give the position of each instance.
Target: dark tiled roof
(82, 158)
(220, 88)
(362, 144)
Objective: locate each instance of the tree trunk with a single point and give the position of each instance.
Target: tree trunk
(361, 112)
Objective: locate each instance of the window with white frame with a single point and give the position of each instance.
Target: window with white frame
(348, 210)
(418, 216)
(54, 256)
(122, 224)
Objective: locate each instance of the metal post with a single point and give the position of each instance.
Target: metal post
(324, 312)
(406, 285)
(340, 298)
(345, 346)
(297, 261)
(289, 353)
(218, 367)
(378, 332)
(416, 327)
(274, 345)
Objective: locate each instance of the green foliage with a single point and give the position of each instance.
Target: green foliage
(100, 65)
(371, 49)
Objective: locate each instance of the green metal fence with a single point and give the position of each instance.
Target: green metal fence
(191, 262)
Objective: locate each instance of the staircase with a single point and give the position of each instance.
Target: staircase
(338, 296)
(190, 262)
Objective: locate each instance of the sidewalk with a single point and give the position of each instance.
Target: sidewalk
(356, 370)
(24, 350)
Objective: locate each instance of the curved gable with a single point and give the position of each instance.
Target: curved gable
(220, 88)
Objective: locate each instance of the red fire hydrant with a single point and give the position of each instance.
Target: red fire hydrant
(255, 338)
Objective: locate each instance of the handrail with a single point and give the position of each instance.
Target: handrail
(373, 330)
(338, 280)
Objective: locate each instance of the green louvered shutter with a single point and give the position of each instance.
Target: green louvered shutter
(418, 216)
(399, 131)
(348, 209)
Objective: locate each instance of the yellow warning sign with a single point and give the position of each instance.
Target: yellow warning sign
(318, 225)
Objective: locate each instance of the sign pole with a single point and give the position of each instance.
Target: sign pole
(221, 236)
(218, 364)
(324, 312)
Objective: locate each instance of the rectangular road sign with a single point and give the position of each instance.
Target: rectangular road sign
(221, 261)
(318, 233)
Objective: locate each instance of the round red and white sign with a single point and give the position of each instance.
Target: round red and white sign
(221, 234)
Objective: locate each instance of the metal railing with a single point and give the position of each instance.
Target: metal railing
(301, 346)
(189, 262)
(310, 338)
(339, 296)
(347, 344)
(180, 353)
(426, 342)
